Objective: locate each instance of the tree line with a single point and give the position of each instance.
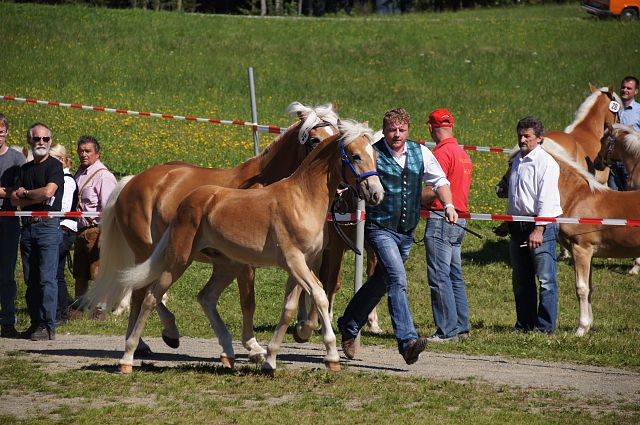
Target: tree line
(297, 7)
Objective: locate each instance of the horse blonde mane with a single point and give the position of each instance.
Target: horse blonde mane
(561, 156)
(313, 115)
(352, 130)
(630, 140)
(586, 106)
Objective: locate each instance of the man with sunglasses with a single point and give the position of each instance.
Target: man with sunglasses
(41, 186)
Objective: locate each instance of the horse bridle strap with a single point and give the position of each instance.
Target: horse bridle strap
(346, 162)
(336, 226)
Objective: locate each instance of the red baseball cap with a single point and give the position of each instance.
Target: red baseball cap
(440, 118)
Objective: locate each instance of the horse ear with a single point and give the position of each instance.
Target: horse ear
(365, 123)
(334, 105)
(592, 88)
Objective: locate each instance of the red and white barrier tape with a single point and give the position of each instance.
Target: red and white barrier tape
(258, 127)
(360, 216)
(562, 220)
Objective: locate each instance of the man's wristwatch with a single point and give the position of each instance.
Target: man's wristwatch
(449, 205)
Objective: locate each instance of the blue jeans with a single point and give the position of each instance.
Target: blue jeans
(527, 264)
(618, 176)
(39, 252)
(392, 249)
(9, 237)
(442, 242)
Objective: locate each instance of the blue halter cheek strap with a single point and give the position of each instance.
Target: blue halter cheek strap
(346, 162)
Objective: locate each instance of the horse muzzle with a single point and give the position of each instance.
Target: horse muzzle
(371, 190)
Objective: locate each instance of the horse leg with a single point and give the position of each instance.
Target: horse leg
(246, 279)
(170, 332)
(137, 297)
(636, 267)
(153, 294)
(291, 299)
(305, 278)
(223, 274)
(582, 268)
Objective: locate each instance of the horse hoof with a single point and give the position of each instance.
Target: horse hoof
(268, 372)
(376, 330)
(171, 342)
(227, 362)
(332, 366)
(142, 352)
(126, 368)
(257, 358)
(297, 338)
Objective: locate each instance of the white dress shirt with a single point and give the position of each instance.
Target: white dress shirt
(533, 185)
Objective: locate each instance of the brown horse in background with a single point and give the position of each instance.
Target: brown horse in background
(622, 143)
(581, 139)
(139, 212)
(287, 231)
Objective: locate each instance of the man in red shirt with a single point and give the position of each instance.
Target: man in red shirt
(443, 240)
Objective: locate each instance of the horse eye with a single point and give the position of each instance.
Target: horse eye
(314, 140)
(356, 157)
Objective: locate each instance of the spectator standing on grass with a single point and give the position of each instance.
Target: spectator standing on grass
(10, 163)
(442, 241)
(533, 191)
(41, 189)
(68, 226)
(95, 183)
(402, 166)
(629, 115)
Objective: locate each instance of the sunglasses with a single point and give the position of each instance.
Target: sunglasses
(44, 139)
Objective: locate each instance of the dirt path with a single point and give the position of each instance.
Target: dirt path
(78, 351)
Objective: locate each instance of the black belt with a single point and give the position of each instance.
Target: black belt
(30, 220)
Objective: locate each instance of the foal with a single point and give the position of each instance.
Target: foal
(286, 231)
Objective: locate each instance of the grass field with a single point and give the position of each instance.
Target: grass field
(489, 67)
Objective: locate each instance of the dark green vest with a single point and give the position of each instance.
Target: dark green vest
(400, 208)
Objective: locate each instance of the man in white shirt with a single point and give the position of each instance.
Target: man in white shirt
(533, 191)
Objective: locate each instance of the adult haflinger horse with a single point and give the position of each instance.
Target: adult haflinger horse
(581, 195)
(622, 143)
(581, 139)
(140, 211)
(286, 231)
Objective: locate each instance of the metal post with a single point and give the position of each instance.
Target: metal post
(254, 113)
(359, 264)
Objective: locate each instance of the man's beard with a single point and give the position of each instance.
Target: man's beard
(40, 151)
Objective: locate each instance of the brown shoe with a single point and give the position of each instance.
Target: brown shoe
(413, 350)
(348, 342)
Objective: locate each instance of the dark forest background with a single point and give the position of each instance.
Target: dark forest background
(298, 7)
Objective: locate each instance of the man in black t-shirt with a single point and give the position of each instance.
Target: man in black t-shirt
(41, 186)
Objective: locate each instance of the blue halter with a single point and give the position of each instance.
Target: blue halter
(346, 162)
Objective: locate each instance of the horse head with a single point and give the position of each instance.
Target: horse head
(316, 123)
(607, 145)
(619, 142)
(359, 161)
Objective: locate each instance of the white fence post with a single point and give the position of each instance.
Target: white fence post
(254, 113)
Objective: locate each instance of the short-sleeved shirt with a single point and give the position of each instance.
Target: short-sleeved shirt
(10, 163)
(95, 186)
(36, 175)
(457, 166)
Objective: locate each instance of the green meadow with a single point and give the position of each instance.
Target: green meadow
(489, 67)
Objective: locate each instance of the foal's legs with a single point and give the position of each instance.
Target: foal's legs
(582, 268)
(300, 273)
(246, 282)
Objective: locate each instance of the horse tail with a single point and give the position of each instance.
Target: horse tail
(115, 255)
(143, 274)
